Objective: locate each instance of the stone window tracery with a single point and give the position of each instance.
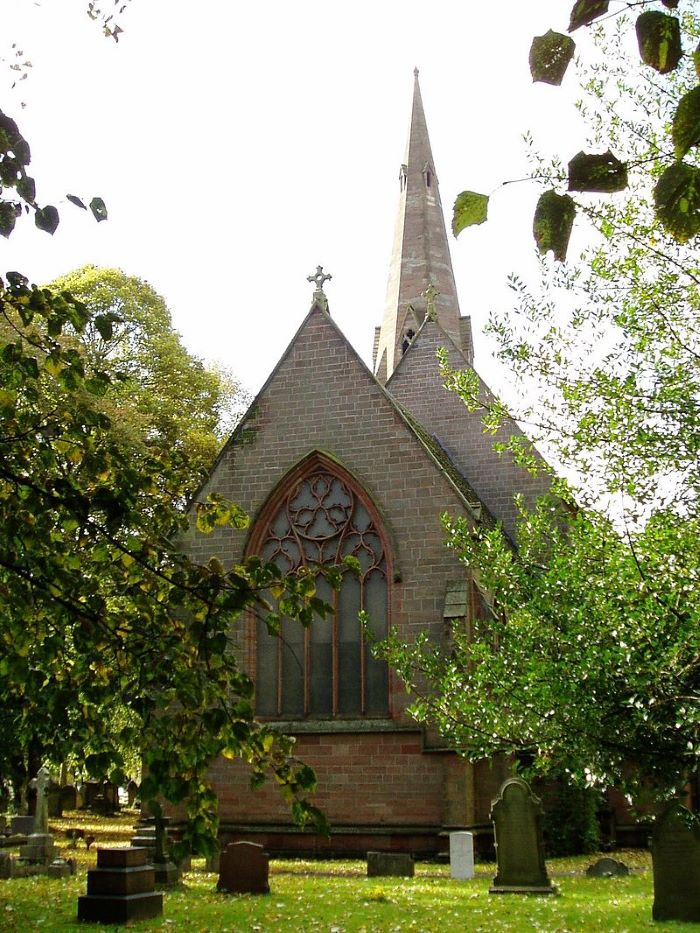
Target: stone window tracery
(327, 670)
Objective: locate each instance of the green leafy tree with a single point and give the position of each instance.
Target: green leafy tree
(164, 397)
(97, 602)
(586, 663)
(666, 39)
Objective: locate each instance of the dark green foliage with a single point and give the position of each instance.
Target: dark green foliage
(659, 39)
(571, 825)
(554, 219)
(686, 123)
(597, 172)
(550, 55)
(584, 12)
(677, 200)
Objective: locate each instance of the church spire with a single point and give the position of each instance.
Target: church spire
(420, 258)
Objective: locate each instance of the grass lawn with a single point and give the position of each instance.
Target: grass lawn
(337, 897)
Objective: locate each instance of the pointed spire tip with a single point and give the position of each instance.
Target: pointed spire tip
(415, 72)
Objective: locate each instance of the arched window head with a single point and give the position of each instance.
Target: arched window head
(320, 516)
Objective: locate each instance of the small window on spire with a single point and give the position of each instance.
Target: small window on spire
(428, 178)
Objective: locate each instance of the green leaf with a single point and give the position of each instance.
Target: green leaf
(584, 12)
(8, 216)
(74, 199)
(696, 59)
(470, 209)
(103, 323)
(99, 211)
(47, 219)
(550, 55)
(553, 221)
(659, 40)
(686, 123)
(597, 172)
(677, 200)
(26, 188)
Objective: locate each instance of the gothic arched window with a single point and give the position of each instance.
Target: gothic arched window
(326, 670)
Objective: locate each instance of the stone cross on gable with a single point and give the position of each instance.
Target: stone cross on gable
(319, 278)
(41, 814)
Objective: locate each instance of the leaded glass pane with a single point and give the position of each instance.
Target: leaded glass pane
(320, 522)
(377, 672)
(292, 668)
(321, 673)
(349, 641)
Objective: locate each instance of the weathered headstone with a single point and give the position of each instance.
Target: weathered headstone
(69, 797)
(21, 825)
(110, 792)
(244, 869)
(166, 871)
(39, 848)
(390, 864)
(607, 868)
(54, 803)
(132, 790)
(462, 855)
(120, 889)
(675, 855)
(517, 822)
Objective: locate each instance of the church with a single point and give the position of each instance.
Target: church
(334, 459)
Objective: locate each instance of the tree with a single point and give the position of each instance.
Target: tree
(587, 661)
(164, 397)
(659, 37)
(96, 599)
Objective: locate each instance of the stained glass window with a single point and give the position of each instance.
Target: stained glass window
(327, 670)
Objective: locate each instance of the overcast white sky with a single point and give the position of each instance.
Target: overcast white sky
(238, 145)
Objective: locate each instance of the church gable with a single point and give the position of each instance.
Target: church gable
(417, 386)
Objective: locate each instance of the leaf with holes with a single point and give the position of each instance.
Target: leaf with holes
(98, 208)
(550, 55)
(585, 11)
(600, 171)
(659, 40)
(553, 221)
(677, 200)
(686, 123)
(470, 209)
(46, 218)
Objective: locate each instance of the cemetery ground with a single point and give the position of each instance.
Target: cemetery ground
(337, 897)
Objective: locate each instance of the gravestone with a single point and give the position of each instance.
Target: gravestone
(132, 790)
(110, 792)
(54, 803)
(166, 872)
(21, 825)
(607, 868)
(69, 797)
(120, 889)
(244, 869)
(517, 823)
(461, 855)
(390, 864)
(90, 790)
(39, 847)
(675, 856)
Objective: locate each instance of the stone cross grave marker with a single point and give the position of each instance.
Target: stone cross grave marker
(244, 869)
(675, 855)
(517, 823)
(41, 814)
(462, 855)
